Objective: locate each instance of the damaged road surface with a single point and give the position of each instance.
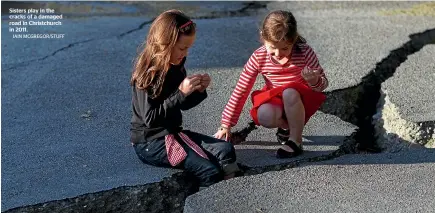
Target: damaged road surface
(367, 49)
(352, 183)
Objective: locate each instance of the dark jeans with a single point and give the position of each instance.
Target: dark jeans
(219, 152)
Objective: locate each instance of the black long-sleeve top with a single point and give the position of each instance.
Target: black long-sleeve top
(154, 118)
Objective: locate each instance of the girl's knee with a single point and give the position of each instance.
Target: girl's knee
(226, 153)
(228, 148)
(291, 96)
(228, 161)
(268, 116)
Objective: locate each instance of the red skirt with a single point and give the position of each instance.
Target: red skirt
(311, 99)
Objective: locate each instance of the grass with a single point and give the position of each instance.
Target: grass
(424, 9)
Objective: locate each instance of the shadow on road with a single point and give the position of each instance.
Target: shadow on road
(261, 154)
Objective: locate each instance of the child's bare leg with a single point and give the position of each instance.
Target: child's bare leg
(295, 113)
(270, 116)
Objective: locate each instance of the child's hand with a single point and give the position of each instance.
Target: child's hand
(311, 75)
(190, 84)
(223, 133)
(205, 81)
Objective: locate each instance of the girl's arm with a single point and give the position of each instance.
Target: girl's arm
(154, 110)
(312, 62)
(234, 107)
(193, 100)
(321, 84)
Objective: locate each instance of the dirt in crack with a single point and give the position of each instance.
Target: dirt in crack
(167, 195)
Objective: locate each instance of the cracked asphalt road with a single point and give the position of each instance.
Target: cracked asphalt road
(51, 151)
(352, 183)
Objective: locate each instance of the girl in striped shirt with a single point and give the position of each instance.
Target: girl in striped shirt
(294, 81)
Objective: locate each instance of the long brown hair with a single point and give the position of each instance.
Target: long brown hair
(280, 25)
(152, 64)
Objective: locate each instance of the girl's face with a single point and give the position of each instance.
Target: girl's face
(180, 49)
(279, 50)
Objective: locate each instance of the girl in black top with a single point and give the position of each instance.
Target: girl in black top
(160, 90)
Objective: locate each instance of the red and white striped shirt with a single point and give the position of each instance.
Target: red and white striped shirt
(274, 75)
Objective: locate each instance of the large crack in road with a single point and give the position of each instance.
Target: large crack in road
(358, 104)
